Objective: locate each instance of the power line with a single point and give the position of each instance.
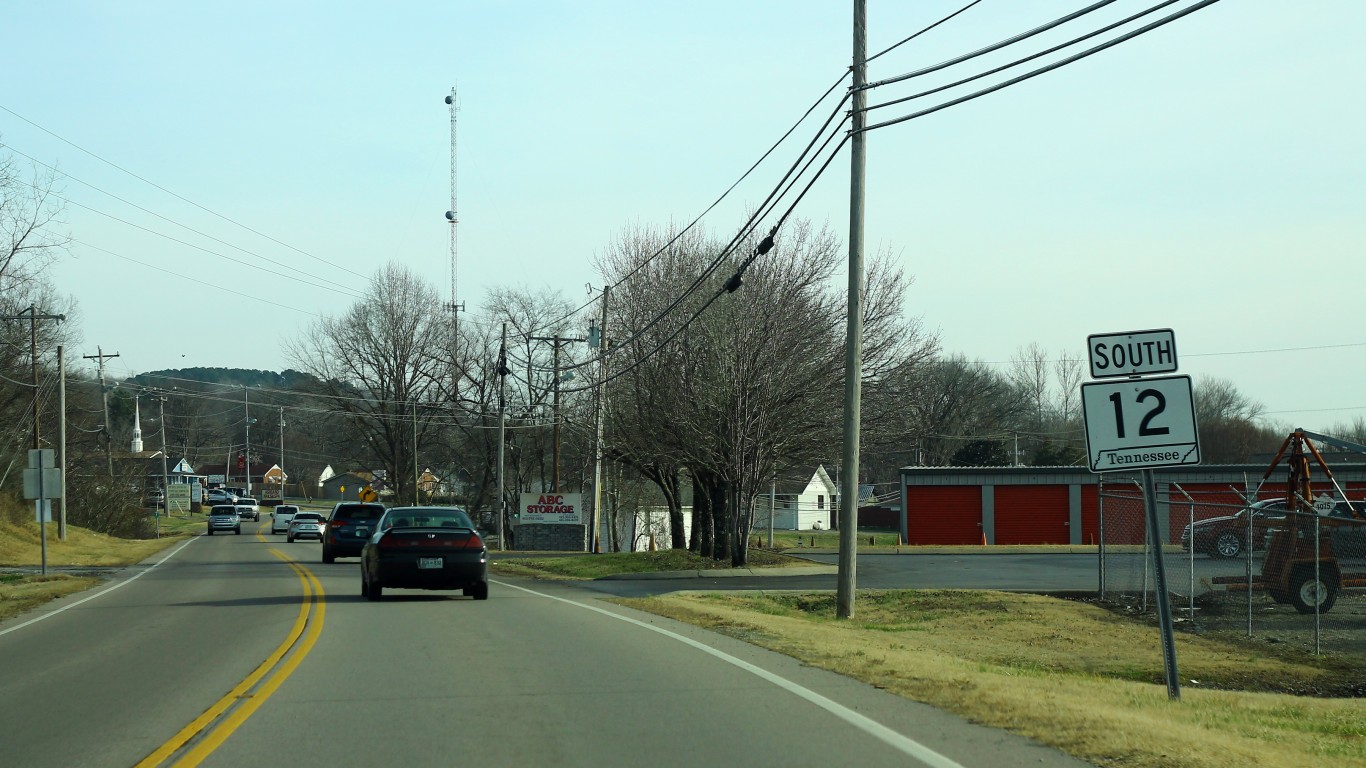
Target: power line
(177, 196)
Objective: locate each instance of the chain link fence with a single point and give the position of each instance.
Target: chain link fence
(1238, 562)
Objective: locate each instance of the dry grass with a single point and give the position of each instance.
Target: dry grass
(20, 545)
(1063, 673)
(24, 593)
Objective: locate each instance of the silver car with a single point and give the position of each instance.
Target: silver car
(248, 508)
(224, 518)
(281, 516)
(306, 525)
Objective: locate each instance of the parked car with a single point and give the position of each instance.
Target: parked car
(1227, 536)
(279, 519)
(348, 526)
(219, 496)
(425, 548)
(154, 498)
(248, 508)
(306, 525)
(224, 517)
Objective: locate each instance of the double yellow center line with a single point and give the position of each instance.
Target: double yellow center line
(207, 732)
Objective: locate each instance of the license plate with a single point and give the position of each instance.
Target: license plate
(428, 562)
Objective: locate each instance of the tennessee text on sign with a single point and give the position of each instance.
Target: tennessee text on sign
(1140, 423)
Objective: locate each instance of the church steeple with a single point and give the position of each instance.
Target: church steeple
(136, 445)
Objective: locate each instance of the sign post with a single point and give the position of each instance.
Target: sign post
(42, 483)
(1139, 421)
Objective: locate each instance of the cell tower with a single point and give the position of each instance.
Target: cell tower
(453, 217)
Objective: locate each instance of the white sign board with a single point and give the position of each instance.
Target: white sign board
(558, 508)
(1132, 353)
(1140, 423)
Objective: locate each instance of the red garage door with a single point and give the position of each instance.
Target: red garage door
(1090, 514)
(1032, 514)
(944, 515)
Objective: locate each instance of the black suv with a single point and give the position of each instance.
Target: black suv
(348, 528)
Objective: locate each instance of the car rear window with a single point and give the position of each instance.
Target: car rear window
(304, 517)
(357, 513)
(286, 509)
(223, 511)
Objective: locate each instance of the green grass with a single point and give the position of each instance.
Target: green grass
(611, 563)
(1065, 673)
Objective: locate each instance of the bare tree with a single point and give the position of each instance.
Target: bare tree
(376, 363)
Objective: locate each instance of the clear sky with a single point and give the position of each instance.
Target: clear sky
(1207, 177)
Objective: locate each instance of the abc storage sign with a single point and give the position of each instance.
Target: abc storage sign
(557, 508)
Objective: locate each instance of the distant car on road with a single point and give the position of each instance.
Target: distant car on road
(349, 525)
(219, 496)
(425, 548)
(224, 517)
(280, 518)
(248, 508)
(306, 525)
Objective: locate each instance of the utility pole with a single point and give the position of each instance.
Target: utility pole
(283, 476)
(502, 428)
(556, 341)
(100, 357)
(853, 344)
(165, 475)
(33, 317)
(417, 478)
(601, 343)
(246, 406)
(61, 437)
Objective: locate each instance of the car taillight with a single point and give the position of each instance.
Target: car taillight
(474, 542)
(394, 542)
(336, 523)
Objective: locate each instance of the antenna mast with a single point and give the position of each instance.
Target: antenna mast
(453, 217)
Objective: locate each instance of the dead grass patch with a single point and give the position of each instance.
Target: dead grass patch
(1063, 673)
(21, 545)
(24, 593)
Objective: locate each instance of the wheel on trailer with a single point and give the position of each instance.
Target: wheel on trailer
(1306, 591)
(1228, 544)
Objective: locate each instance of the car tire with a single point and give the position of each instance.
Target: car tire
(237, 530)
(289, 539)
(1227, 544)
(364, 583)
(374, 591)
(1305, 591)
(479, 591)
(210, 531)
(328, 557)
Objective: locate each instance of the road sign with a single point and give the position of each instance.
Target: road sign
(1131, 353)
(1140, 423)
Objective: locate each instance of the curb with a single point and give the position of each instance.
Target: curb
(724, 573)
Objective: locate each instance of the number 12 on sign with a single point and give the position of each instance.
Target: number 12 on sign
(1140, 423)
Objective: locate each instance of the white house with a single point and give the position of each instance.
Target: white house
(799, 506)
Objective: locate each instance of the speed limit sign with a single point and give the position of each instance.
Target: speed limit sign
(1140, 423)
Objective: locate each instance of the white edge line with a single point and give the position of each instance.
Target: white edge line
(102, 592)
(901, 742)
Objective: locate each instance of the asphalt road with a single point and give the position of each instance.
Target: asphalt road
(225, 653)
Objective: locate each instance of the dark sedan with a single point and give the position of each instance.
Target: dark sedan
(425, 548)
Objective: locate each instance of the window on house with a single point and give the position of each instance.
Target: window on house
(820, 502)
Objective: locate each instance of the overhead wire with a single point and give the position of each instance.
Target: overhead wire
(1045, 69)
(180, 197)
(166, 219)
